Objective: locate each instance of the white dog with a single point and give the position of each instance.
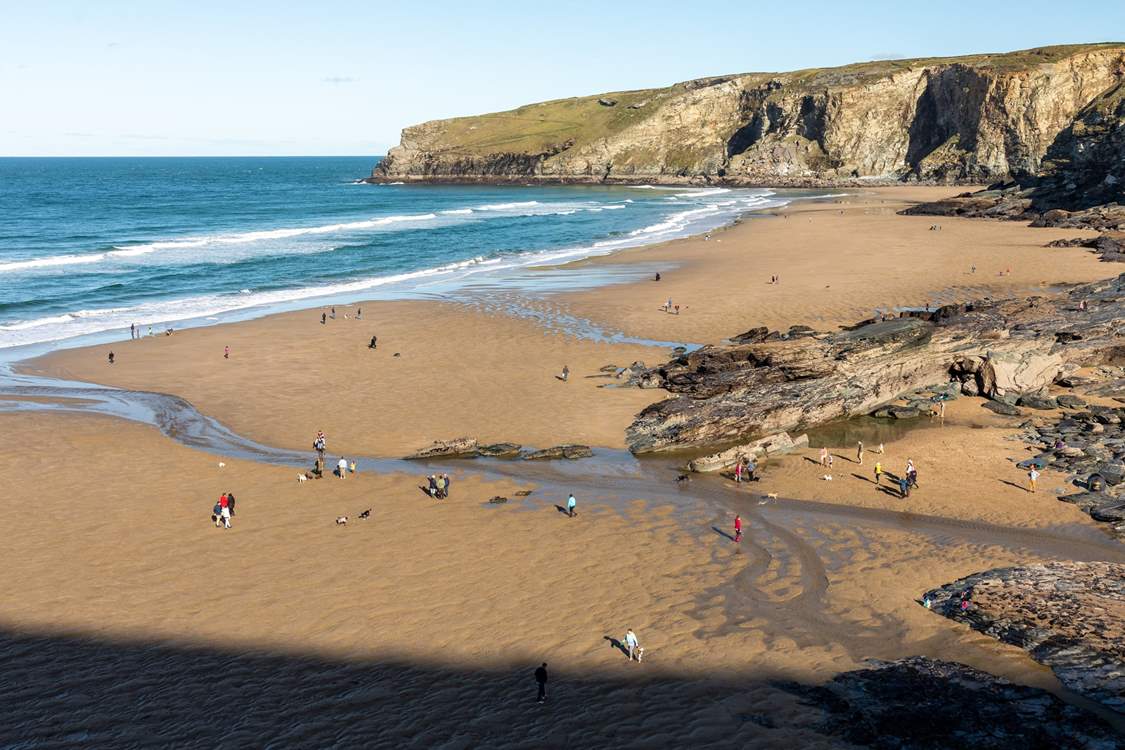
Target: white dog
(302, 478)
(342, 521)
(771, 495)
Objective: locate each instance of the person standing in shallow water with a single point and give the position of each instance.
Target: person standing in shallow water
(571, 503)
(541, 681)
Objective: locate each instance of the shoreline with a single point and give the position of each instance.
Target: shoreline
(827, 577)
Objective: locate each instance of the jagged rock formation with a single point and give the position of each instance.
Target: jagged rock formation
(975, 118)
(1069, 616)
(764, 383)
(924, 704)
(1081, 183)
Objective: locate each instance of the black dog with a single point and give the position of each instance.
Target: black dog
(365, 514)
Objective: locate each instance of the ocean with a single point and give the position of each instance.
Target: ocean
(89, 246)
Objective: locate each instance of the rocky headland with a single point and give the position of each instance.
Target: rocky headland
(1070, 616)
(977, 118)
(763, 382)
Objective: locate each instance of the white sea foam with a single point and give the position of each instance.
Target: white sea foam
(457, 211)
(50, 262)
(213, 306)
(507, 206)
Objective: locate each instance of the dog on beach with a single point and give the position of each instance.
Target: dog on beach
(341, 520)
(365, 514)
(683, 478)
(222, 465)
(827, 477)
(771, 495)
(302, 478)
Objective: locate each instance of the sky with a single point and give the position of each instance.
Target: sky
(235, 78)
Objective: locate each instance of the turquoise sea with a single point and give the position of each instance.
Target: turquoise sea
(94, 245)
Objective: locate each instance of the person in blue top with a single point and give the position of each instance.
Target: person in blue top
(570, 503)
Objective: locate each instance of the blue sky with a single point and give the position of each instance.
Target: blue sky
(240, 78)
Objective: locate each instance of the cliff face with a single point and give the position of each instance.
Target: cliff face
(977, 118)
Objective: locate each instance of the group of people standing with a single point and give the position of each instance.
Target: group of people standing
(438, 486)
(223, 510)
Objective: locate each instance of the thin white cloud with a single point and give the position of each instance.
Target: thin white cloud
(338, 80)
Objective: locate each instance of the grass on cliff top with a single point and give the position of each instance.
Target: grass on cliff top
(545, 126)
(535, 128)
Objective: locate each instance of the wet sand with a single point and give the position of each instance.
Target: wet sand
(420, 626)
(111, 550)
(838, 260)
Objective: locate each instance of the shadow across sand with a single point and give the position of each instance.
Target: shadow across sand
(1013, 484)
(720, 532)
(67, 690)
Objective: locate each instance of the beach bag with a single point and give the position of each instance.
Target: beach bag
(217, 509)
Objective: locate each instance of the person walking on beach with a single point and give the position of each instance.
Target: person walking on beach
(446, 478)
(323, 318)
(738, 471)
(224, 510)
(333, 315)
(571, 503)
(320, 442)
(631, 643)
(132, 330)
(738, 528)
(878, 472)
(1032, 478)
(230, 502)
(432, 480)
(359, 313)
(565, 374)
(941, 411)
(859, 453)
(903, 487)
(226, 352)
(541, 682)
(111, 358)
(342, 467)
(823, 456)
(374, 343)
(911, 473)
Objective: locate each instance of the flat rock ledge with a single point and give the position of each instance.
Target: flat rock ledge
(923, 704)
(467, 447)
(1070, 616)
(765, 382)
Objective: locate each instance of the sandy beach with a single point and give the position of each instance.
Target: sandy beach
(427, 618)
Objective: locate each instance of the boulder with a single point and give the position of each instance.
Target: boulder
(1069, 401)
(1112, 471)
(607, 102)
(1002, 408)
(772, 445)
(500, 450)
(1032, 401)
(497, 500)
(570, 452)
(1026, 372)
(970, 388)
(455, 448)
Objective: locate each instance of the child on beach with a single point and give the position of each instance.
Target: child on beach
(878, 472)
(738, 528)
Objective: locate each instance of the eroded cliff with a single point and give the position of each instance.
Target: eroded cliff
(976, 118)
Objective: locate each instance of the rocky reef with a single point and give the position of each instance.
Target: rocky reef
(1070, 616)
(764, 382)
(467, 447)
(978, 118)
(925, 704)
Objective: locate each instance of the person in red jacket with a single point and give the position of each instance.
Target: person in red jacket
(738, 528)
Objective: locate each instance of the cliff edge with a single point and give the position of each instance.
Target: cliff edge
(979, 118)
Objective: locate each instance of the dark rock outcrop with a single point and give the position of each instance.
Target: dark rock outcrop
(923, 704)
(760, 384)
(570, 452)
(1069, 616)
(456, 448)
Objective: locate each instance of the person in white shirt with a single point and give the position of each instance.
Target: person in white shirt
(631, 643)
(342, 467)
(1032, 478)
